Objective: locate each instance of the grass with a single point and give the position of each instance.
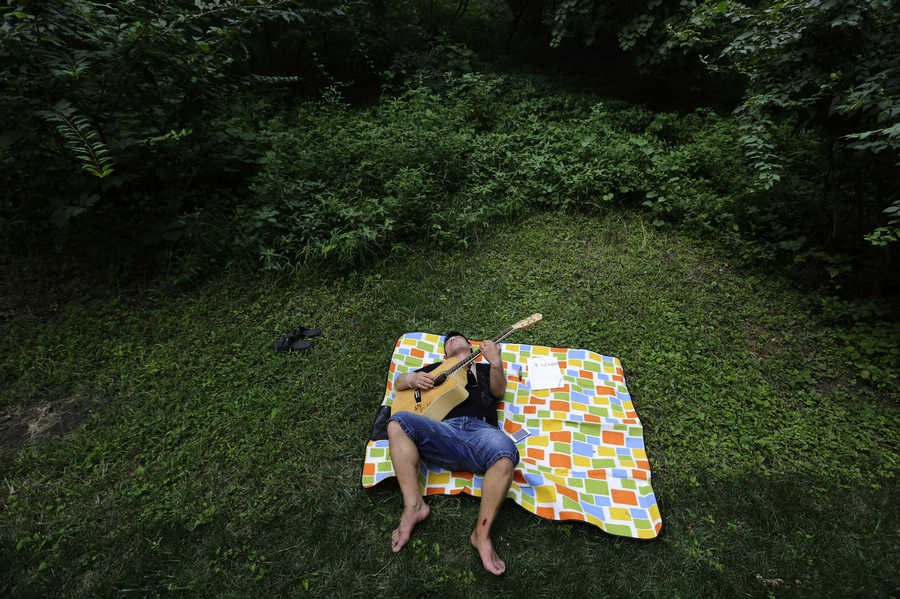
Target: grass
(154, 443)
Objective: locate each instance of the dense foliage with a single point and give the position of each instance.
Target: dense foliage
(129, 92)
(827, 70)
(833, 66)
(138, 127)
(437, 167)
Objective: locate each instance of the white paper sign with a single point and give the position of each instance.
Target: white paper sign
(544, 373)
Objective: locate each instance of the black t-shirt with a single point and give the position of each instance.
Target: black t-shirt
(480, 403)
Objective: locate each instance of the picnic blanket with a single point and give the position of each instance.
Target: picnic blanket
(585, 457)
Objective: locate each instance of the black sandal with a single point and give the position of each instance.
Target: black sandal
(291, 341)
(284, 344)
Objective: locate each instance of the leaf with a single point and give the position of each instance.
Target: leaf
(893, 130)
(80, 138)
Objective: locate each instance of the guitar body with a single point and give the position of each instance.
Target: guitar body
(435, 403)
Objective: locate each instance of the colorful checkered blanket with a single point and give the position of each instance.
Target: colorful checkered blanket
(585, 457)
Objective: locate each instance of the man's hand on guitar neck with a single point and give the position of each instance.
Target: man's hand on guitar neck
(491, 352)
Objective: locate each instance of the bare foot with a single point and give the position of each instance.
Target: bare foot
(490, 559)
(411, 516)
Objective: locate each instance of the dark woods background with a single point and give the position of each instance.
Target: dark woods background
(183, 136)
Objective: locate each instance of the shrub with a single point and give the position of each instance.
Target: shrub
(434, 164)
(340, 186)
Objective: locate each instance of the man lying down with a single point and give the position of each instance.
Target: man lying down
(467, 439)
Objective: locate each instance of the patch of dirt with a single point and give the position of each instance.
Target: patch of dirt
(39, 421)
(764, 342)
(827, 386)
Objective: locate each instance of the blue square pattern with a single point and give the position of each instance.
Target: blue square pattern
(594, 510)
(579, 397)
(534, 480)
(579, 448)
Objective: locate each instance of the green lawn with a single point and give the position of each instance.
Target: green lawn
(155, 444)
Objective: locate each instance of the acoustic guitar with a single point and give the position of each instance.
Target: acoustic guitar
(449, 382)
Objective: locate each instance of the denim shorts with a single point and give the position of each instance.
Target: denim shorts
(457, 444)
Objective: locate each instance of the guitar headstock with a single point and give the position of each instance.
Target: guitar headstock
(529, 322)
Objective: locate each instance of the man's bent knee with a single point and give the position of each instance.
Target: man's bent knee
(394, 429)
(503, 464)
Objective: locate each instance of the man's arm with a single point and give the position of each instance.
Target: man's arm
(491, 353)
(413, 380)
